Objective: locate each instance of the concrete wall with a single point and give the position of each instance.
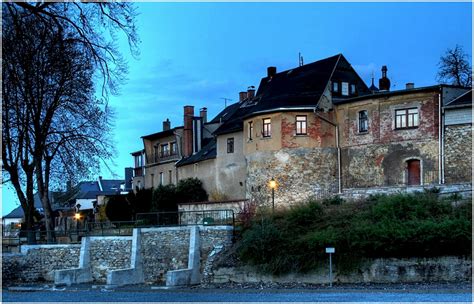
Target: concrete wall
(203, 170)
(408, 270)
(458, 153)
(231, 167)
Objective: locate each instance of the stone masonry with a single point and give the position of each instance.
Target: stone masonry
(458, 153)
(109, 253)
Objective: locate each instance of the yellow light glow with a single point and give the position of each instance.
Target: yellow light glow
(272, 184)
(77, 216)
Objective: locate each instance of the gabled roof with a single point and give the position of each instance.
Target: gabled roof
(207, 152)
(464, 100)
(162, 133)
(18, 211)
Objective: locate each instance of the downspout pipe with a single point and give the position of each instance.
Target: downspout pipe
(440, 139)
(338, 148)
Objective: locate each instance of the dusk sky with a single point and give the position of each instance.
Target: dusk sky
(197, 53)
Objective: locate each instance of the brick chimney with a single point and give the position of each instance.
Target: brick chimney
(203, 114)
(384, 82)
(188, 131)
(242, 96)
(271, 71)
(166, 125)
(250, 92)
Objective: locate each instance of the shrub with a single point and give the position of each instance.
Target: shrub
(164, 198)
(118, 208)
(141, 200)
(191, 190)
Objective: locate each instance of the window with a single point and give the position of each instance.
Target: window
(165, 150)
(353, 89)
(363, 121)
(138, 161)
(267, 127)
(230, 145)
(301, 125)
(406, 118)
(335, 87)
(345, 89)
(250, 130)
(173, 150)
(161, 178)
(170, 176)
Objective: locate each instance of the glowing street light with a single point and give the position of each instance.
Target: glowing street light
(273, 184)
(77, 216)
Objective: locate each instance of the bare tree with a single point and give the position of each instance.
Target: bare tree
(51, 122)
(455, 67)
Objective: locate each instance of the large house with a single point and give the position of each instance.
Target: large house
(318, 130)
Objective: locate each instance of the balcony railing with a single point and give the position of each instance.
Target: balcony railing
(165, 155)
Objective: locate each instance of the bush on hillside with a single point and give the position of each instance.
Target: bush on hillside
(191, 190)
(402, 225)
(118, 208)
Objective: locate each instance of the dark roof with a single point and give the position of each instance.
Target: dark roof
(161, 134)
(226, 113)
(18, 211)
(138, 152)
(207, 152)
(90, 189)
(464, 100)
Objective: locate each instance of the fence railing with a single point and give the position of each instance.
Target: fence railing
(14, 238)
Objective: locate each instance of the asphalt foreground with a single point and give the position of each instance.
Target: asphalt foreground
(439, 292)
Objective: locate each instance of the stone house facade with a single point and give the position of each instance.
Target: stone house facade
(319, 130)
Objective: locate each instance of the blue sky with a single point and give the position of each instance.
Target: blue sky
(197, 53)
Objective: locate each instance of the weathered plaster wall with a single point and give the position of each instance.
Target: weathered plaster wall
(203, 170)
(109, 253)
(37, 263)
(411, 270)
(300, 174)
(167, 168)
(458, 153)
(230, 175)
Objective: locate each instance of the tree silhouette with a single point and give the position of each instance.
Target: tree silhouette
(455, 67)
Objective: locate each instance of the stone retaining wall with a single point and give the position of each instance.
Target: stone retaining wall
(109, 253)
(38, 263)
(443, 269)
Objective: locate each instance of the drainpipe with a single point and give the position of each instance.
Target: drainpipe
(339, 179)
(440, 140)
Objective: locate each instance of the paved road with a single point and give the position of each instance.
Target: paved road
(219, 295)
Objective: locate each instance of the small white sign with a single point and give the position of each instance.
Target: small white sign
(330, 250)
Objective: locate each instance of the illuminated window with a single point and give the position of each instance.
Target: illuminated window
(301, 125)
(267, 127)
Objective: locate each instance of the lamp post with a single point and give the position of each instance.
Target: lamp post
(273, 185)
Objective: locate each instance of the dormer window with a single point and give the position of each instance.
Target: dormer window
(345, 88)
(335, 87)
(353, 89)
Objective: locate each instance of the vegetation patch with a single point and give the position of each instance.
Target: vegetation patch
(401, 225)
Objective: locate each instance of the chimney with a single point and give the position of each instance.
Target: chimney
(384, 82)
(410, 85)
(271, 71)
(250, 92)
(242, 96)
(203, 114)
(188, 131)
(166, 125)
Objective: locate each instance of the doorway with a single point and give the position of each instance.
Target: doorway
(413, 172)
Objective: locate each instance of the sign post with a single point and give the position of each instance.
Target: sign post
(330, 250)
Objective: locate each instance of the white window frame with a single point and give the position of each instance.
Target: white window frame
(344, 88)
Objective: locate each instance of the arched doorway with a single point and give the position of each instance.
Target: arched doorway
(413, 172)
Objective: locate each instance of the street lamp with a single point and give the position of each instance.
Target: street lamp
(77, 216)
(273, 184)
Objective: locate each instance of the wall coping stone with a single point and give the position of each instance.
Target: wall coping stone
(107, 238)
(26, 248)
(186, 228)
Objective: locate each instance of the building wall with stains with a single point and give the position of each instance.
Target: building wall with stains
(230, 176)
(378, 157)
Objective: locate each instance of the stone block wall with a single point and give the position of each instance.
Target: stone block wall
(107, 253)
(163, 249)
(408, 270)
(458, 153)
(300, 173)
(38, 263)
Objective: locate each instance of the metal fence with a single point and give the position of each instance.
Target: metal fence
(12, 239)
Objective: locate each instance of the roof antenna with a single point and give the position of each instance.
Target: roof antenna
(225, 101)
(300, 59)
